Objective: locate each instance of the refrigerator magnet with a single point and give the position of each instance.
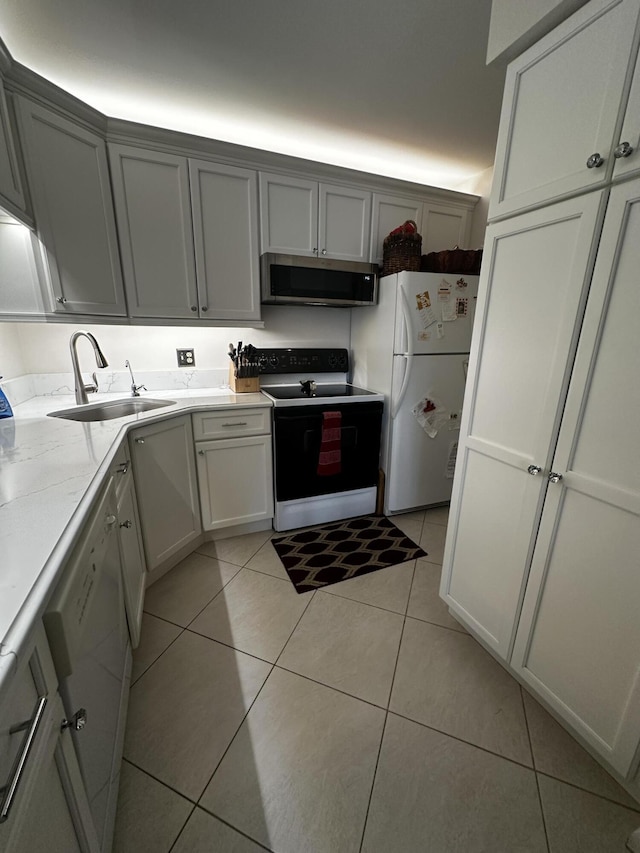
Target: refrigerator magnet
(462, 306)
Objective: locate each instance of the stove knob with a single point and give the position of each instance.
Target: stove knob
(273, 360)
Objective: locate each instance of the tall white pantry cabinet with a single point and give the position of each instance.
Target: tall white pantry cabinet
(542, 560)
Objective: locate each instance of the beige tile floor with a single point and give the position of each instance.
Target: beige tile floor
(357, 719)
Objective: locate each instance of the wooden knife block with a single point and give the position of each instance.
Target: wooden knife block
(249, 385)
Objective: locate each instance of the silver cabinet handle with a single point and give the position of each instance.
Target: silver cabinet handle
(61, 300)
(126, 524)
(110, 520)
(315, 249)
(534, 470)
(139, 440)
(622, 150)
(10, 789)
(595, 161)
(238, 423)
(194, 307)
(324, 251)
(554, 478)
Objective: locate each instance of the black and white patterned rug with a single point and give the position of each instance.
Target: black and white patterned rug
(330, 553)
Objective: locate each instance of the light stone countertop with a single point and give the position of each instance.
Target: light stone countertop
(51, 470)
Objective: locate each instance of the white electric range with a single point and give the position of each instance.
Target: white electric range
(312, 399)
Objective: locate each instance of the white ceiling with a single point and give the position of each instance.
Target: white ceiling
(395, 87)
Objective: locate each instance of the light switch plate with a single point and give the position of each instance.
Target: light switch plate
(186, 358)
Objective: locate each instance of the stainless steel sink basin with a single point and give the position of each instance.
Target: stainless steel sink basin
(110, 409)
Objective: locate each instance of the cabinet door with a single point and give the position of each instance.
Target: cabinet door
(561, 104)
(133, 566)
(48, 810)
(532, 290)
(69, 179)
(344, 221)
(627, 162)
(20, 285)
(288, 215)
(153, 211)
(444, 227)
(578, 642)
(235, 477)
(11, 192)
(388, 213)
(225, 221)
(165, 479)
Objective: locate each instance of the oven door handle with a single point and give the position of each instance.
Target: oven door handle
(395, 405)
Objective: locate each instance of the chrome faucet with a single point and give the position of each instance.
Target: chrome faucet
(81, 389)
(134, 388)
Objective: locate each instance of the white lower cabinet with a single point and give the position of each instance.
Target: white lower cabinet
(43, 806)
(235, 474)
(541, 560)
(165, 480)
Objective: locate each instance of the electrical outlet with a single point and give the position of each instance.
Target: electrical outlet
(186, 358)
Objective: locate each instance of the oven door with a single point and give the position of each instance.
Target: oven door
(297, 438)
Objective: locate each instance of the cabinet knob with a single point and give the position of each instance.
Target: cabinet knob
(595, 161)
(194, 307)
(61, 299)
(201, 453)
(139, 440)
(126, 524)
(204, 308)
(123, 467)
(110, 520)
(315, 250)
(534, 470)
(622, 150)
(324, 251)
(554, 477)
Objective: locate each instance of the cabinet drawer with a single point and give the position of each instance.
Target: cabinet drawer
(231, 423)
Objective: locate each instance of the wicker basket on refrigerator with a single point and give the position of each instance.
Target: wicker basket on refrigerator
(402, 249)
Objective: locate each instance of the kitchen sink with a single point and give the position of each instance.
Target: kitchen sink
(110, 409)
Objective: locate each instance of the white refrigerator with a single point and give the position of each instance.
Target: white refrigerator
(413, 347)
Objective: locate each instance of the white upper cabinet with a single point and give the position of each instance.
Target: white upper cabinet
(534, 279)
(189, 236)
(11, 191)
(225, 220)
(66, 165)
(563, 108)
(288, 215)
(627, 151)
(301, 217)
(444, 227)
(578, 641)
(388, 213)
(344, 223)
(153, 212)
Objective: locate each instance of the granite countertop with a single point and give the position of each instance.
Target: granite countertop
(50, 472)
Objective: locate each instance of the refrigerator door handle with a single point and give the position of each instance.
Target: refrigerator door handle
(405, 382)
(406, 316)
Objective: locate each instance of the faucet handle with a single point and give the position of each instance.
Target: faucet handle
(92, 388)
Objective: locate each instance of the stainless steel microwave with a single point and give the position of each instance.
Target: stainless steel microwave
(296, 280)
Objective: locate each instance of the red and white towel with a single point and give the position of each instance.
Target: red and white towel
(330, 457)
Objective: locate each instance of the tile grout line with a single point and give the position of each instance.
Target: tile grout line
(635, 809)
(386, 713)
(535, 773)
(156, 659)
(248, 709)
(182, 828)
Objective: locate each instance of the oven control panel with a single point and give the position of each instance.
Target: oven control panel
(293, 360)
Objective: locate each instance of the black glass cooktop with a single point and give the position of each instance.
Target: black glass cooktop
(295, 392)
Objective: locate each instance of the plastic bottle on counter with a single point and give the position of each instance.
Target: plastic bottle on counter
(5, 408)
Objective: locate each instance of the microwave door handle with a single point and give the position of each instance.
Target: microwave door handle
(395, 405)
(406, 320)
